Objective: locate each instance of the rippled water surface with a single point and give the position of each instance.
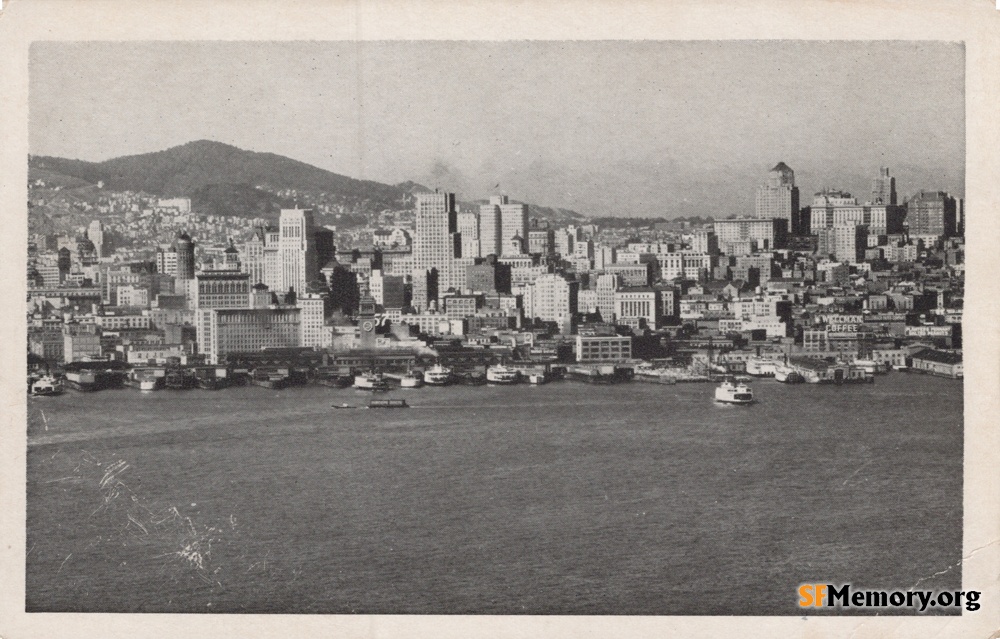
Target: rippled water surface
(565, 498)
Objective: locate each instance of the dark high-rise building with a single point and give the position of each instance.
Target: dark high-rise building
(184, 247)
(931, 213)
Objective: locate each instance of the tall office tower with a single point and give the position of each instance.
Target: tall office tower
(468, 226)
(252, 258)
(884, 188)
(297, 251)
(606, 285)
(845, 243)
(931, 213)
(166, 260)
(436, 241)
(513, 228)
(95, 233)
(312, 318)
(184, 247)
(565, 242)
(553, 299)
(705, 241)
(491, 227)
(779, 198)
(272, 260)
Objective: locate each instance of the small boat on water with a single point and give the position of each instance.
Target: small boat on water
(411, 380)
(502, 375)
(343, 406)
(438, 375)
(371, 381)
(388, 403)
(46, 386)
(732, 392)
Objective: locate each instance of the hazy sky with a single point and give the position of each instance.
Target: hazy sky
(606, 128)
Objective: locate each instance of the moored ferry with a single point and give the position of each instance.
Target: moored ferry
(371, 381)
(537, 377)
(45, 386)
(502, 375)
(411, 380)
(729, 392)
(81, 380)
(437, 375)
(759, 367)
(788, 374)
(144, 380)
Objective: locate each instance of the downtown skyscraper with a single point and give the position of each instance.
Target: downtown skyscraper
(297, 261)
(503, 227)
(436, 244)
(779, 198)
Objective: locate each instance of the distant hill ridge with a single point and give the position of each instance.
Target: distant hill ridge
(225, 180)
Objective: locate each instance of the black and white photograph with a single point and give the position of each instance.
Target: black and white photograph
(558, 327)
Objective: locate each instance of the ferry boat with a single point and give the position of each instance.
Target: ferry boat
(759, 367)
(178, 379)
(144, 381)
(275, 380)
(371, 381)
(869, 366)
(46, 386)
(335, 380)
(411, 380)
(502, 375)
(787, 374)
(82, 380)
(437, 375)
(645, 369)
(537, 378)
(729, 392)
(472, 378)
(212, 379)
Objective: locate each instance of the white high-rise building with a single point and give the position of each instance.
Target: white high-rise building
(95, 233)
(297, 259)
(468, 227)
(553, 299)
(312, 319)
(491, 227)
(779, 198)
(436, 241)
(513, 229)
(503, 227)
(606, 285)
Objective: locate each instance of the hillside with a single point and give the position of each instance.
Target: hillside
(224, 180)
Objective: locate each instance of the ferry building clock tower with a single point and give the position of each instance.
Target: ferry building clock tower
(366, 321)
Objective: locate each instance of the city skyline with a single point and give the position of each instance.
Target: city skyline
(546, 129)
